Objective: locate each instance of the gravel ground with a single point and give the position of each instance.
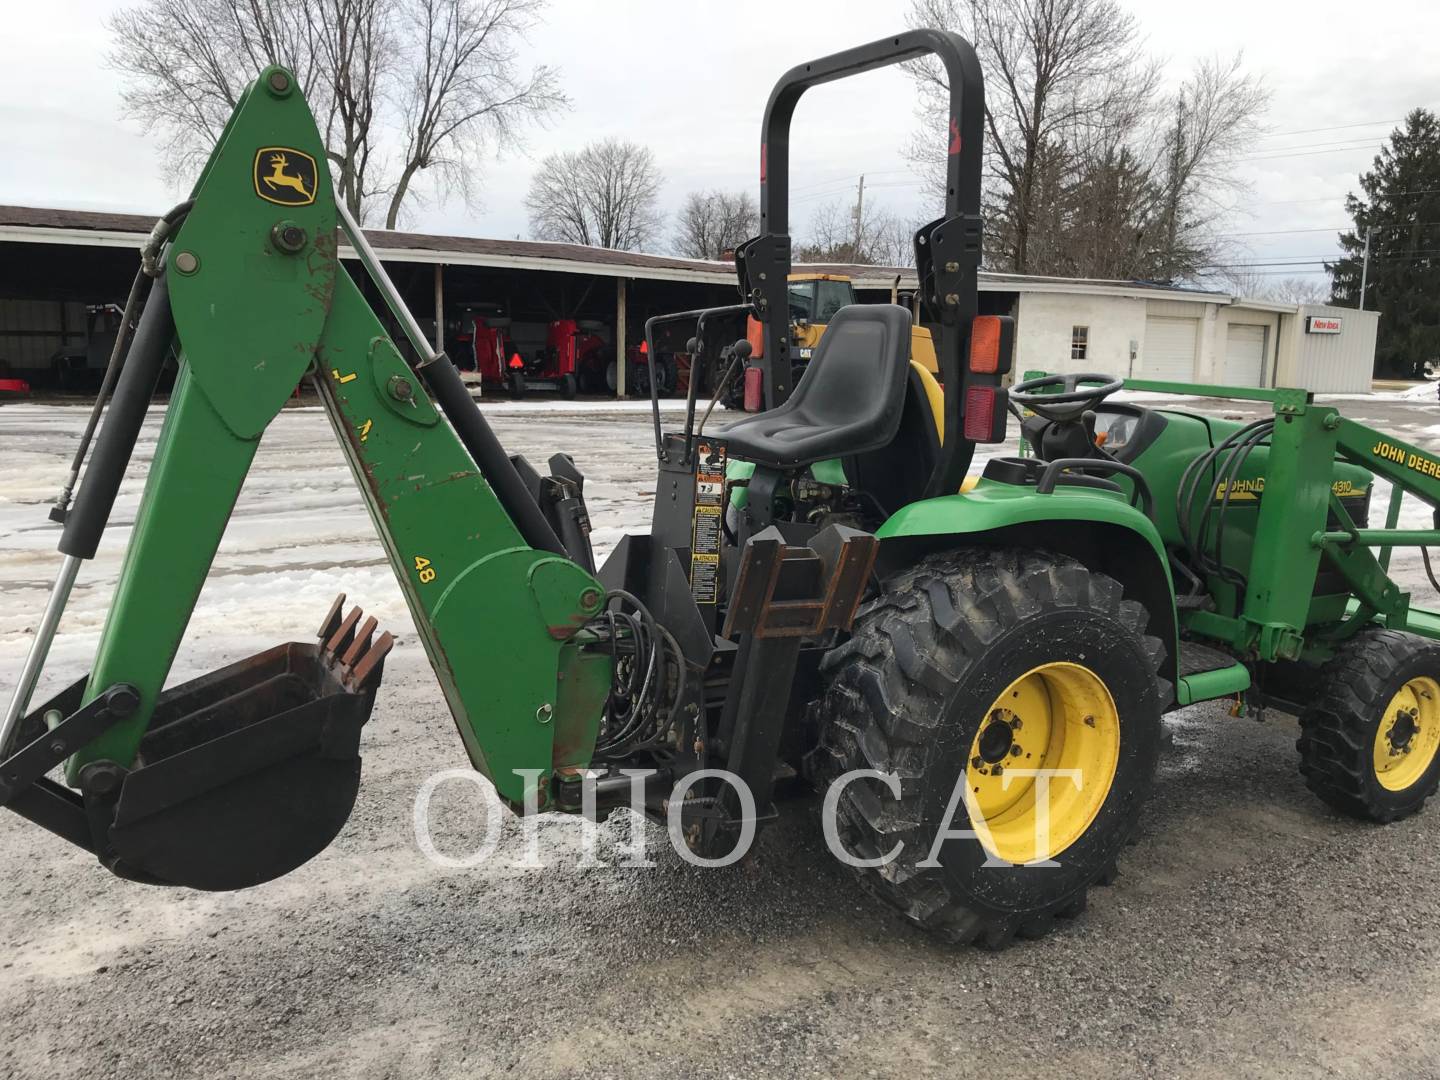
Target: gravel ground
(1252, 932)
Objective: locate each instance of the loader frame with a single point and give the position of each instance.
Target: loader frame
(1275, 620)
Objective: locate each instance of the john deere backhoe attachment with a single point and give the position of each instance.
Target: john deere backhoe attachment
(242, 775)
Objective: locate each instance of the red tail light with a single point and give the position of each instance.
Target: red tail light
(985, 414)
(754, 389)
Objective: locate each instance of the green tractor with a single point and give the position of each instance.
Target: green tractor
(968, 674)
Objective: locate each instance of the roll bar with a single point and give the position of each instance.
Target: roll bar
(947, 251)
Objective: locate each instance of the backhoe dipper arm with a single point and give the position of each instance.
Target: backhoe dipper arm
(258, 300)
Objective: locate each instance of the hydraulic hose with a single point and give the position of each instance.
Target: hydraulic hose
(150, 267)
(107, 385)
(133, 390)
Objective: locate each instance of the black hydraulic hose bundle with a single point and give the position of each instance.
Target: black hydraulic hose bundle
(1236, 450)
(633, 718)
(1236, 462)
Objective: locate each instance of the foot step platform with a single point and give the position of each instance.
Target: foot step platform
(1207, 673)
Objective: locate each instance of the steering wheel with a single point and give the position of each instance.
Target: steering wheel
(1071, 402)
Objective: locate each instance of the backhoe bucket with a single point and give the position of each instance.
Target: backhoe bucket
(250, 771)
(243, 775)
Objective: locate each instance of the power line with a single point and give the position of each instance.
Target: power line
(1426, 256)
(1337, 195)
(1282, 273)
(847, 179)
(1309, 153)
(1335, 228)
(1353, 140)
(1332, 127)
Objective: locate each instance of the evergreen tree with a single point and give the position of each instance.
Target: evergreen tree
(1400, 208)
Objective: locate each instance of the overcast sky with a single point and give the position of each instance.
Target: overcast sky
(689, 79)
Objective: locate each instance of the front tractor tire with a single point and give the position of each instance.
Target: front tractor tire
(1370, 739)
(971, 664)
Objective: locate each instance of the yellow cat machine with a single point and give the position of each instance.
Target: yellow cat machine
(814, 299)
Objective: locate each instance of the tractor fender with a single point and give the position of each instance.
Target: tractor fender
(1100, 529)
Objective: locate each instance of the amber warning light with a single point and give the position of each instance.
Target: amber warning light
(992, 344)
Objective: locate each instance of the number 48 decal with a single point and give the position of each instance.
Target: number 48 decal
(426, 571)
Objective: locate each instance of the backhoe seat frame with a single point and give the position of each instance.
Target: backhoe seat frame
(895, 474)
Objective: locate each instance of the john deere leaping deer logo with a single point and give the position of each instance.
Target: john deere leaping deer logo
(285, 176)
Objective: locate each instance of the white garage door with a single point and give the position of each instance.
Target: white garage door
(1244, 355)
(1169, 351)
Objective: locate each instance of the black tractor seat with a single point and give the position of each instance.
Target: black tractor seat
(849, 401)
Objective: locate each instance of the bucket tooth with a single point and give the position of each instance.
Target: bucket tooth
(361, 644)
(369, 664)
(340, 640)
(332, 620)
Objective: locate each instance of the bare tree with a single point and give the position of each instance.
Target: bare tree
(1253, 285)
(188, 61)
(1052, 68)
(604, 195)
(880, 238)
(1091, 170)
(714, 223)
(1298, 290)
(889, 240)
(1213, 116)
(352, 44)
(464, 90)
(398, 86)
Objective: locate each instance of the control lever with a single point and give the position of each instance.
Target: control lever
(738, 354)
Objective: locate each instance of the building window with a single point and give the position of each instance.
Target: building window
(1079, 340)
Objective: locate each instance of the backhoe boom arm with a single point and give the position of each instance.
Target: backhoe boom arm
(258, 300)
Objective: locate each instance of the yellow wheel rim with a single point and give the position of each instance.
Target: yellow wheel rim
(1058, 717)
(1409, 735)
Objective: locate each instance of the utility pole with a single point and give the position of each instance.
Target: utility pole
(1365, 266)
(859, 217)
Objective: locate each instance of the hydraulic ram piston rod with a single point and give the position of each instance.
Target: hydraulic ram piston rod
(39, 648)
(393, 299)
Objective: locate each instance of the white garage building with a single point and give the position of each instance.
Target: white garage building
(1149, 332)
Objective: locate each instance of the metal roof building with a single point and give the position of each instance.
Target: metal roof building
(54, 263)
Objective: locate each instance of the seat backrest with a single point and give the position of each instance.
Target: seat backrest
(848, 401)
(858, 373)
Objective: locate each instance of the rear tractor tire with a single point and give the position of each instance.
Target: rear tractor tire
(974, 664)
(1370, 740)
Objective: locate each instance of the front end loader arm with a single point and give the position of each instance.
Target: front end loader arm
(256, 300)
